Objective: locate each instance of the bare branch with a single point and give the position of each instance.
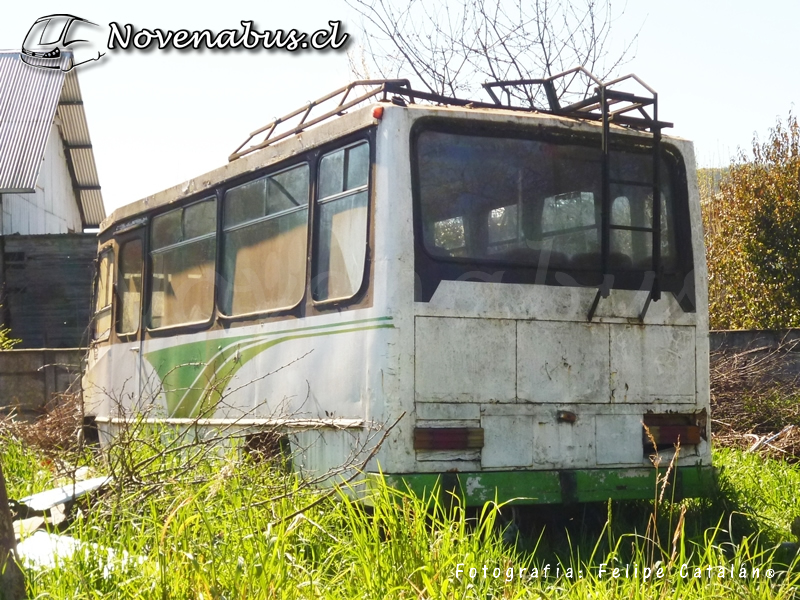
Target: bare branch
(453, 48)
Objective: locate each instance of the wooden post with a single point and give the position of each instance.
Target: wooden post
(12, 581)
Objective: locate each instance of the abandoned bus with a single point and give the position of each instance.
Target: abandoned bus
(511, 302)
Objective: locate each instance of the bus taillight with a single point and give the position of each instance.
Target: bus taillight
(448, 438)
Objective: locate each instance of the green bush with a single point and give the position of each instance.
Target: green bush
(752, 226)
(6, 341)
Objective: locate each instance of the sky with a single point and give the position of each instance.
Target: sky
(725, 71)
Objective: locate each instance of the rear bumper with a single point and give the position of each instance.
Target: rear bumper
(556, 487)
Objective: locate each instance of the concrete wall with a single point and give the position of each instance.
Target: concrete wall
(759, 343)
(52, 208)
(30, 378)
(749, 339)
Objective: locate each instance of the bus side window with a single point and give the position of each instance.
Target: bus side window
(103, 295)
(341, 242)
(129, 287)
(183, 251)
(264, 243)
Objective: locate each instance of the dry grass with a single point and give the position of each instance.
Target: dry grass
(754, 401)
(56, 432)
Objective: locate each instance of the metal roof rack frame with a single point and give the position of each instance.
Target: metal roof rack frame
(607, 104)
(376, 87)
(618, 103)
(401, 92)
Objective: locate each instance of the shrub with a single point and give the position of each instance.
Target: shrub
(753, 236)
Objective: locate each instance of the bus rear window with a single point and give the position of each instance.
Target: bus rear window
(536, 205)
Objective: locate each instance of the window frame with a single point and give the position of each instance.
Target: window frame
(126, 237)
(106, 249)
(147, 304)
(367, 138)
(432, 268)
(306, 306)
(223, 190)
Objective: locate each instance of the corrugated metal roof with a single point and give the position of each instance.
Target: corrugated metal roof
(30, 98)
(78, 145)
(28, 101)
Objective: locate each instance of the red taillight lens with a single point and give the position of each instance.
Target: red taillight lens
(377, 112)
(671, 434)
(448, 438)
(668, 429)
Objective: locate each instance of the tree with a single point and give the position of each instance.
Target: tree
(451, 48)
(753, 236)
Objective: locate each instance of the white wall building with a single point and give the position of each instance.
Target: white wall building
(48, 178)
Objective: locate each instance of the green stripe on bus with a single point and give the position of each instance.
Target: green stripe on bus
(194, 375)
(552, 487)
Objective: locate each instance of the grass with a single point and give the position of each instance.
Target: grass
(27, 470)
(205, 532)
(766, 491)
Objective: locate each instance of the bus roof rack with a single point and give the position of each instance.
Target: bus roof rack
(607, 104)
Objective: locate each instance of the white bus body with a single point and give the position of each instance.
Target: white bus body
(423, 281)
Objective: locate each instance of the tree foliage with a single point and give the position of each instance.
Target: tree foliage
(6, 341)
(753, 236)
(452, 47)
